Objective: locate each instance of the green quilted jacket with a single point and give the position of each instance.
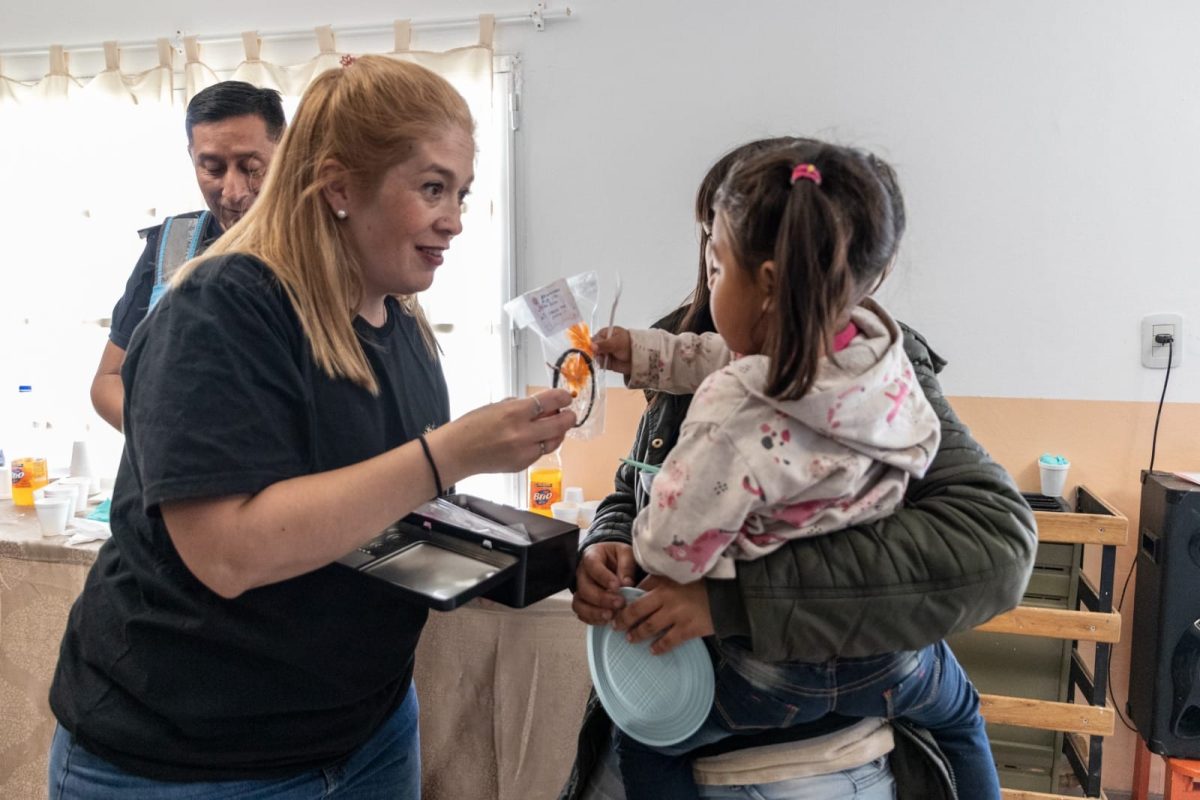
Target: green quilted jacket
(958, 552)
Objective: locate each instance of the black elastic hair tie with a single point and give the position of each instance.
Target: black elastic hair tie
(590, 364)
(437, 478)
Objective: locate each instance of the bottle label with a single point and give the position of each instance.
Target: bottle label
(29, 473)
(543, 494)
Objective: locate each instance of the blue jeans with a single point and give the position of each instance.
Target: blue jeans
(927, 687)
(870, 781)
(386, 767)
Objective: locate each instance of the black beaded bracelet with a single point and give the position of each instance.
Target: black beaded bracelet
(437, 478)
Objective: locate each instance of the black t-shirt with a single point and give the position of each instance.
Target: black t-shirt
(135, 303)
(165, 678)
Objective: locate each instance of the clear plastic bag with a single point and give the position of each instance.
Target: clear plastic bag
(562, 314)
(444, 511)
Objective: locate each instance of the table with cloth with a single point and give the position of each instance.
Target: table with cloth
(501, 690)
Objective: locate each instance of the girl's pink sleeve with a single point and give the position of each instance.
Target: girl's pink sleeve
(676, 363)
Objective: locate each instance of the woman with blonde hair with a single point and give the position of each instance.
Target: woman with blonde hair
(284, 404)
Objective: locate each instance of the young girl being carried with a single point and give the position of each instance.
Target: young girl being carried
(816, 425)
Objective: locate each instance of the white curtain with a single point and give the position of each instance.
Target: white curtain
(87, 163)
(104, 157)
(468, 68)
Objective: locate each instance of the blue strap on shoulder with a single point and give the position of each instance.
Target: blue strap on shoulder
(169, 256)
(198, 233)
(164, 234)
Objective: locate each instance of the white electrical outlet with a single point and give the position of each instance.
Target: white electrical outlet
(1154, 355)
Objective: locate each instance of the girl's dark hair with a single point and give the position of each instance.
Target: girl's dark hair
(830, 243)
(695, 316)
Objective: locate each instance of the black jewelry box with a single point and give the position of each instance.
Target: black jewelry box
(441, 558)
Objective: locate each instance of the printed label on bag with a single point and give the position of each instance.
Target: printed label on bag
(553, 307)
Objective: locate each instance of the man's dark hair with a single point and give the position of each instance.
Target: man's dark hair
(229, 99)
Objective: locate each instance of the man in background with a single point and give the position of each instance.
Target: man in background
(232, 129)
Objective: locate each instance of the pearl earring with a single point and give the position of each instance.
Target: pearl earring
(340, 213)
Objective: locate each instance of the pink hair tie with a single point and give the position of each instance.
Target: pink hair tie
(806, 172)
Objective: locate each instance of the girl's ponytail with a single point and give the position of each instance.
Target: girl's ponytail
(813, 285)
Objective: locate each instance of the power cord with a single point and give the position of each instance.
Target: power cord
(1111, 693)
(1169, 341)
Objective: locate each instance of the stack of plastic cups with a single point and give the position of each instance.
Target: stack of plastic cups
(81, 466)
(82, 486)
(587, 513)
(567, 510)
(58, 489)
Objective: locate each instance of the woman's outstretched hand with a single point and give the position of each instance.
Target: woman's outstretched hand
(502, 437)
(614, 349)
(603, 569)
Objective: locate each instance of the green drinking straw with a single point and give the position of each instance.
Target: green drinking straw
(641, 465)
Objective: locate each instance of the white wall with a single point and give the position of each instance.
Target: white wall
(1048, 152)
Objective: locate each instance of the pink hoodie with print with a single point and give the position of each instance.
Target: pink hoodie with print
(750, 472)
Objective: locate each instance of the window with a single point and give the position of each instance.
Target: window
(465, 301)
(81, 178)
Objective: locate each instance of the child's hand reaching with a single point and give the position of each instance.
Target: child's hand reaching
(614, 349)
(680, 609)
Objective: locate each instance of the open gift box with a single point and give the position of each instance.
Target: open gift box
(458, 547)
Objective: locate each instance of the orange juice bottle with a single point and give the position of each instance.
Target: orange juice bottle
(29, 475)
(545, 483)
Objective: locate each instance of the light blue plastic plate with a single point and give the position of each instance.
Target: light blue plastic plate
(658, 700)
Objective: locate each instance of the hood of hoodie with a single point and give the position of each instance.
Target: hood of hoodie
(866, 396)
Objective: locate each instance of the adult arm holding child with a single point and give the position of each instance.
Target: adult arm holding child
(861, 590)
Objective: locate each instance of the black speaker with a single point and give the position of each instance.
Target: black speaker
(1164, 667)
